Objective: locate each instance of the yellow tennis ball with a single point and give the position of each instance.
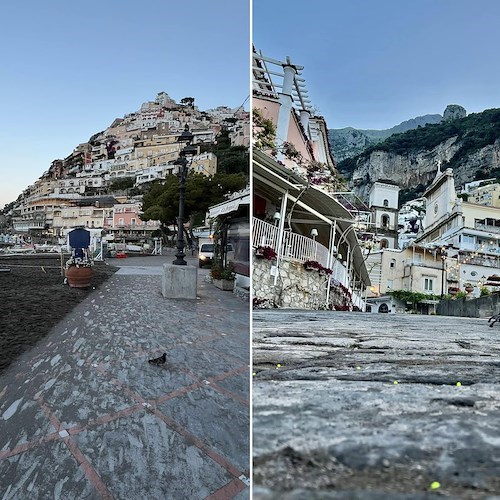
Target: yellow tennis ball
(358, 367)
(395, 382)
(254, 374)
(459, 384)
(435, 485)
(278, 366)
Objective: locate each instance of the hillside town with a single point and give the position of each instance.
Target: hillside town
(100, 184)
(365, 254)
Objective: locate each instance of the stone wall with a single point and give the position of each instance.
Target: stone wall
(295, 287)
(482, 307)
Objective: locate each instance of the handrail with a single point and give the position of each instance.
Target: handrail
(294, 247)
(300, 249)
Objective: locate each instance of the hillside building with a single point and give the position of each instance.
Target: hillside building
(383, 204)
(458, 244)
(296, 212)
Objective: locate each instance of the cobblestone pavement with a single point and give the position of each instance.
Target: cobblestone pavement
(83, 415)
(354, 405)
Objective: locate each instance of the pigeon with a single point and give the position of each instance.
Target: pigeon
(494, 319)
(158, 361)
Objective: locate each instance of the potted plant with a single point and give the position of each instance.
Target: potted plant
(453, 290)
(265, 252)
(78, 271)
(468, 287)
(223, 277)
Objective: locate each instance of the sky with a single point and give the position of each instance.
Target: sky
(371, 64)
(70, 68)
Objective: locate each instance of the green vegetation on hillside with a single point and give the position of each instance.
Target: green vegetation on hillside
(161, 201)
(474, 132)
(230, 159)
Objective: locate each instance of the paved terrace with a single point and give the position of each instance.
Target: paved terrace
(367, 406)
(83, 414)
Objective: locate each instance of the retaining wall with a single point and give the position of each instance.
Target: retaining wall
(295, 287)
(482, 307)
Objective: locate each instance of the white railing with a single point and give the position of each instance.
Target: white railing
(301, 248)
(357, 301)
(294, 246)
(264, 234)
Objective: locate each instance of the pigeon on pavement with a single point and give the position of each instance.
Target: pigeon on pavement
(159, 361)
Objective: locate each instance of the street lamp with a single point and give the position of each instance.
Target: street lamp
(277, 218)
(443, 259)
(182, 162)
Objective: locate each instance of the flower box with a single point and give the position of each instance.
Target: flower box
(227, 285)
(265, 252)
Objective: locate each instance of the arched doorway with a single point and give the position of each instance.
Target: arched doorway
(383, 308)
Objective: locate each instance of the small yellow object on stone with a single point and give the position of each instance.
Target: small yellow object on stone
(435, 485)
(358, 367)
(395, 382)
(254, 374)
(459, 384)
(278, 366)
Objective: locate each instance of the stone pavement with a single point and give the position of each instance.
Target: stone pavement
(370, 406)
(84, 416)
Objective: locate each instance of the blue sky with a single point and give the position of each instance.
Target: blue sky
(372, 64)
(70, 68)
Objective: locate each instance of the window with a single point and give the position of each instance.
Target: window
(393, 262)
(385, 221)
(390, 284)
(120, 221)
(386, 203)
(428, 284)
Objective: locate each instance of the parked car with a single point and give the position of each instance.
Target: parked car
(206, 253)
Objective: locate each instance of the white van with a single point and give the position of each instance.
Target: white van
(206, 253)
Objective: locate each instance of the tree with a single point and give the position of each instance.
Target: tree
(188, 101)
(230, 159)
(233, 160)
(122, 184)
(161, 202)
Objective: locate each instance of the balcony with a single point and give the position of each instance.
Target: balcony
(487, 227)
(294, 247)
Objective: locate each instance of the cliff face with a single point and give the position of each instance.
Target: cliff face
(415, 170)
(470, 145)
(349, 142)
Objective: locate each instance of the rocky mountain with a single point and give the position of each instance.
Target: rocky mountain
(469, 145)
(349, 142)
(453, 112)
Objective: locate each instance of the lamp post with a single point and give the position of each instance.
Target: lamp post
(183, 162)
(443, 259)
(277, 218)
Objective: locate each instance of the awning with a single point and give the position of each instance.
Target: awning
(228, 206)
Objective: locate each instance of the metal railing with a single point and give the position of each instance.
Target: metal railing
(301, 248)
(487, 227)
(294, 246)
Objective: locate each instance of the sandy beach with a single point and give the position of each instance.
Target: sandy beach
(34, 298)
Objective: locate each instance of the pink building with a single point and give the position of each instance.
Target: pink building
(126, 221)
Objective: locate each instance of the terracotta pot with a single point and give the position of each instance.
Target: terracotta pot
(469, 289)
(79, 277)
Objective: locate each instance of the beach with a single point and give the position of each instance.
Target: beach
(34, 298)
